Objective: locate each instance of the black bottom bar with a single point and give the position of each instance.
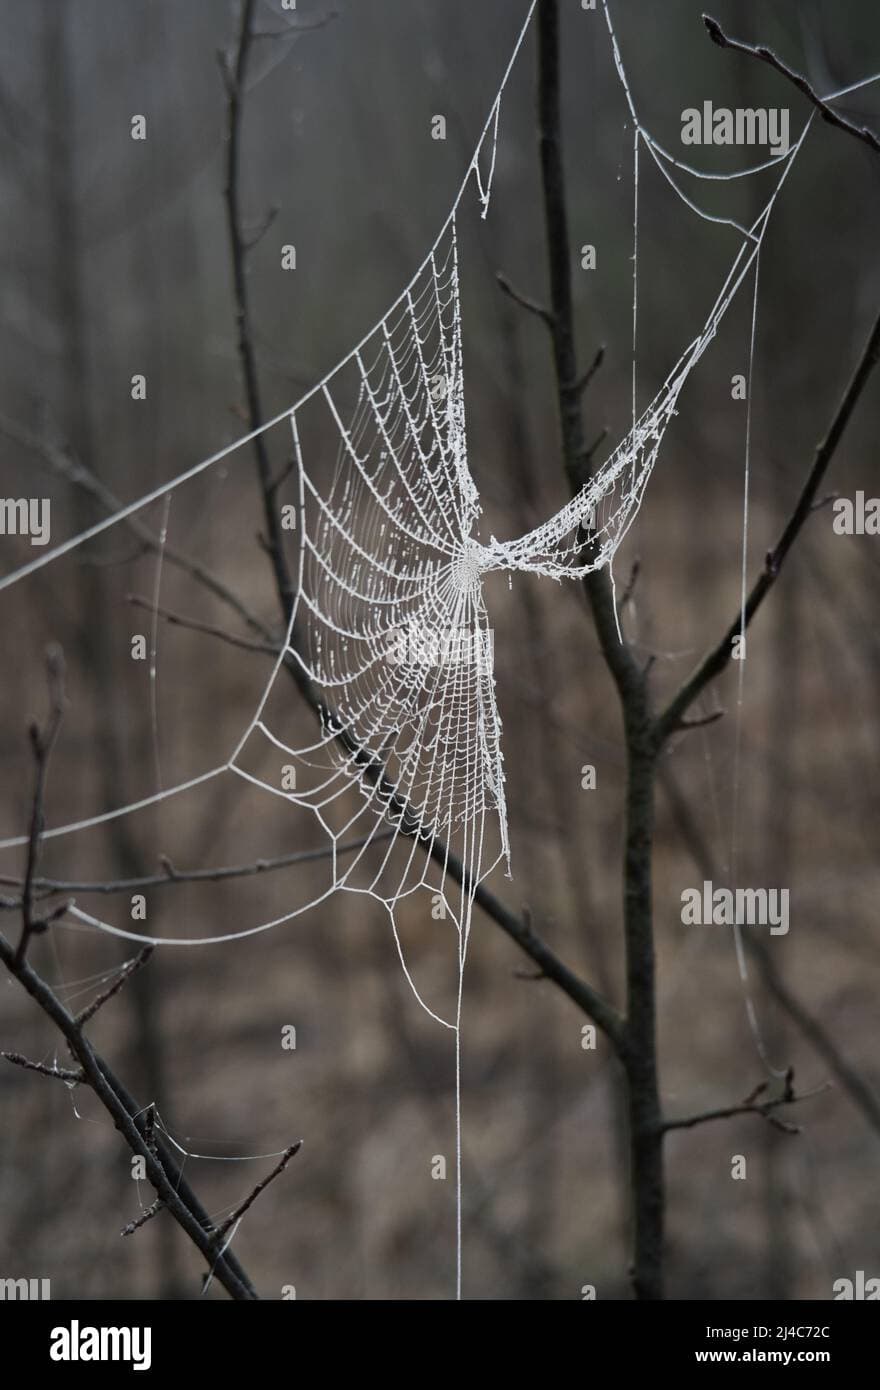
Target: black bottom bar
(225, 1339)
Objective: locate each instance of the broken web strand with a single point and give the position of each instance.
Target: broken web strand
(754, 234)
(763, 221)
(486, 193)
(742, 964)
(154, 643)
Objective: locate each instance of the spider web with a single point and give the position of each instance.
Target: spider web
(389, 632)
(389, 628)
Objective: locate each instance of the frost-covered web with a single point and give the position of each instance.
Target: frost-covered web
(389, 629)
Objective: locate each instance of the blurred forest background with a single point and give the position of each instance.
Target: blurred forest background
(115, 262)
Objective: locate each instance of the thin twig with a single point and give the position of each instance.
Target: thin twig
(863, 1096)
(42, 745)
(257, 236)
(122, 978)
(630, 585)
(58, 1073)
(589, 1000)
(180, 620)
(589, 451)
(171, 874)
(66, 465)
(825, 501)
(524, 302)
(748, 1107)
(583, 381)
(702, 720)
(295, 27)
(261, 1186)
(281, 478)
(145, 1216)
(766, 55)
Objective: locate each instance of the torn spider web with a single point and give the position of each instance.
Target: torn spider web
(389, 630)
(389, 635)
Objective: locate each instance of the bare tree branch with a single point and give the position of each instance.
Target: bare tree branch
(66, 465)
(631, 583)
(766, 55)
(145, 1216)
(42, 744)
(717, 660)
(586, 377)
(637, 1045)
(257, 235)
(523, 300)
(236, 71)
(763, 1108)
(164, 1175)
(124, 976)
(170, 874)
(588, 999)
(702, 720)
(816, 1034)
(58, 1073)
(261, 1186)
(194, 625)
(850, 1080)
(295, 27)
